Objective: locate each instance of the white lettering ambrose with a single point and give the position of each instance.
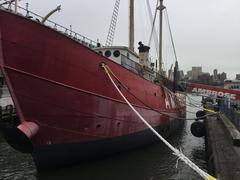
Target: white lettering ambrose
(213, 93)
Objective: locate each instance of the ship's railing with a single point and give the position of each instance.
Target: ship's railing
(145, 72)
(130, 64)
(8, 6)
(232, 110)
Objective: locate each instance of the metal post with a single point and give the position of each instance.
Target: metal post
(161, 8)
(131, 26)
(16, 6)
(228, 103)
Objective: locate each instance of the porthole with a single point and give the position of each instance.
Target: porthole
(98, 126)
(116, 53)
(118, 124)
(108, 53)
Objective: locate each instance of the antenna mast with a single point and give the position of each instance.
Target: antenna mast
(113, 24)
(131, 26)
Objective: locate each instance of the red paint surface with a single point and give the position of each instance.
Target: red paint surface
(58, 83)
(30, 129)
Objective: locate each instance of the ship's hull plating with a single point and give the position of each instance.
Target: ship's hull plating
(47, 157)
(58, 84)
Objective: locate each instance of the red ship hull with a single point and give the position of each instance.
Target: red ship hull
(58, 84)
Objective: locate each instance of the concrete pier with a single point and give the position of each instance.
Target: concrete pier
(222, 148)
(8, 116)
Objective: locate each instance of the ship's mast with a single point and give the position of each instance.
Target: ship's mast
(161, 8)
(131, 26)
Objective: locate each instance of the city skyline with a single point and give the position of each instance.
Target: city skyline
(199, 71)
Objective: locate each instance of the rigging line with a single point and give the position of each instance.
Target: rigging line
(153, 25)
(202, 107)
(160, 112)
(152, 21)
(142, 14)
(199, 106)
(206, 109)
(190, 112)
(113, 24)
(197, 94)
(209, 96)
(195, 101)
(191, 104)
(187, 104)
(128, 90)
(194, 105)
(171, 35)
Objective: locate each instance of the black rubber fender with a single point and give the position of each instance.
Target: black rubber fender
(198, 129)
(18, 140)
(200, 114)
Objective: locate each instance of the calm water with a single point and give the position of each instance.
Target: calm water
(149, 163)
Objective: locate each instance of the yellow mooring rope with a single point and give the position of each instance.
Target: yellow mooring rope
(211, 111)
(176, 152)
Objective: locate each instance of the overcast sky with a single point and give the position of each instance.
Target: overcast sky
(206, 32)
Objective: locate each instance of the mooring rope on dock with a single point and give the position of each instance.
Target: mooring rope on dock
(177, 153)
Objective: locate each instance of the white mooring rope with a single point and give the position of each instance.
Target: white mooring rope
(177, 153)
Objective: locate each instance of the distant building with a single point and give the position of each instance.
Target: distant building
(198, 76)
(215, 75)
(188, 76)
(181, 75)
(196, 72)
(232, 84)
(204, 78)
(237, 76)
(222, 77)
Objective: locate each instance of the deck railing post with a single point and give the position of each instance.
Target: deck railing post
(16, 6)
